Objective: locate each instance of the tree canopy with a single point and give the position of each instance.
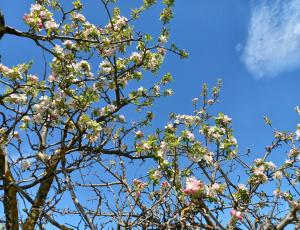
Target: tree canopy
(78, 149)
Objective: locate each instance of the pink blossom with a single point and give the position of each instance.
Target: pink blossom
(190, 136)
(163, 39)
(33, 78)
(121, 22)
(42, 14)
(101, 112)
(161, 51)
(165, 184)
(35, 7)
(52, 78)
(108, 52)
(68, 43)
(236, 214)
(51, 25)
(259, 170)
(27, 19)
(39, 24)
(79, 17)
(139, 184)
(139, 134)
(192, 186)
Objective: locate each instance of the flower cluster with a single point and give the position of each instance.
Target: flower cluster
(14, 73)
(17, 98)
(223, 119)
(260, 171)
(242, 194)
(78, 17)
(139, 186)
(213, 132)
(214, 189)
(106, 67)
(193, 186)
(155, 175)
(187, 120)
(117, 23)
(48, 108)
(187, 135)
(39, 18)
(136, 57)
(163, 149)
(92, 128)
(153, 60)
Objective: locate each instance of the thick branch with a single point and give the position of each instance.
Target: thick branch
(36, 208)
(290, 217)
(10, 193)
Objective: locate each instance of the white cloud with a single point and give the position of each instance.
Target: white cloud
(273, 43)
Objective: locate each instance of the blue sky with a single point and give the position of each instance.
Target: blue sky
(217, 34)
(252, 45)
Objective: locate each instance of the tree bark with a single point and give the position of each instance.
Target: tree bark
(10, 193)
(39, 201)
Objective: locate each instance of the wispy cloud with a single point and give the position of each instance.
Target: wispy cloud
(273, 42)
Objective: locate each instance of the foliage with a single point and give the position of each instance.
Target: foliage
(72, 158)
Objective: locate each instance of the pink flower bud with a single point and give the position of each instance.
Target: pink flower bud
(236, 214)
(165, 184)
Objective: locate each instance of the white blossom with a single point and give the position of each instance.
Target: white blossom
(35, 7)
(51, 25)
(277, 175)
(78, 17)
(106, 67)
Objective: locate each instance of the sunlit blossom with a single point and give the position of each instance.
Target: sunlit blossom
(193, 186)
(236, 214)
